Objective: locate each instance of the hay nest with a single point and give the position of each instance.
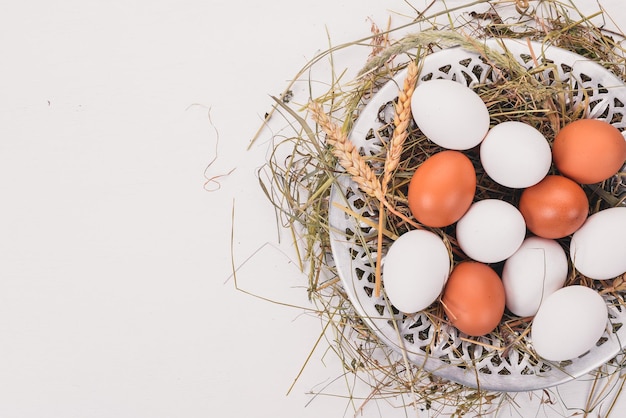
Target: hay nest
(305, 164)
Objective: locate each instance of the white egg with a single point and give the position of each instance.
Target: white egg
(450, 114)
(569, 323)
(597, 248)
(491, 231)
(536, 270)
(415, 270)
(515, 154)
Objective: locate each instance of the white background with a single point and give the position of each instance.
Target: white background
(116, 295)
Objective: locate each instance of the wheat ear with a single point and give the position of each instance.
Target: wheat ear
(347, 154)
(401, 121)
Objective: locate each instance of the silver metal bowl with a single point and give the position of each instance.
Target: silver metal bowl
(444, 353)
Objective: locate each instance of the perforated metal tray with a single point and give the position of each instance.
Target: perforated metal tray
(445, 354)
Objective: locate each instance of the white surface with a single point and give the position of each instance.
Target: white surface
(115, 297)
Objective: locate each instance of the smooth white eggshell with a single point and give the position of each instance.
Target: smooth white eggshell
(569, 323)
(491, 231)
(535, 271)
(597, 248)
(415, 270)
(515, 154)
(450, 114)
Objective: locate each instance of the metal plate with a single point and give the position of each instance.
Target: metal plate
(449, 356)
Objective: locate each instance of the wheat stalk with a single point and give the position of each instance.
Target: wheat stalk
(401, 121)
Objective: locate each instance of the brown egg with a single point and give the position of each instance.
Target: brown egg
(589, 150)
(555, 207)
(474, 298)
(442, 189)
